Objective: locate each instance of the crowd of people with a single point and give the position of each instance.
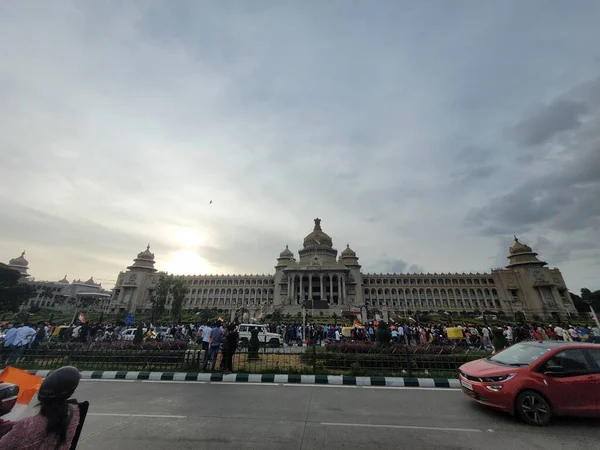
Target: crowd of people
(219, 336)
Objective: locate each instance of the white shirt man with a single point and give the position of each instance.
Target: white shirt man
(24, 336)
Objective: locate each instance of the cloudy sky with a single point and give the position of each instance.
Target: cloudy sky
(425, 134)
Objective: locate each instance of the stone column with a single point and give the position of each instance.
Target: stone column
(310, 277)
(330, 288)
(300, 288)
(339, 290)
(321, 291)
(292, 287)
(344, 291)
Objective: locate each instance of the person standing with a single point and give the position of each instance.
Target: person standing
(230, 343)
(214, 344)
(23, 338)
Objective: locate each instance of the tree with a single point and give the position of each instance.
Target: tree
(179, 289)
(384, 335)
(159, 295)
(335, 317)
(277, 315)
(12, 293)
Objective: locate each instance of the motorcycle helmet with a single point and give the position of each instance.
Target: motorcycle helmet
(59, 385)
(8, 397)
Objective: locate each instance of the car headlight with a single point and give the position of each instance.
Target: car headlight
(497, 379)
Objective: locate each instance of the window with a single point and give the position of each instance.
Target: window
(519, 355)
(568, 361)
(595, 354)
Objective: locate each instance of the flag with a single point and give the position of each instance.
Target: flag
(29, 385)
(357, 324)
(318, 241)
(81, 317)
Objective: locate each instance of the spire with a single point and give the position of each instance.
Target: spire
(148, 248)
(317, 224)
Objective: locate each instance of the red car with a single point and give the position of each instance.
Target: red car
(536, 380)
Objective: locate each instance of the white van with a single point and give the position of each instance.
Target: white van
(264, 335)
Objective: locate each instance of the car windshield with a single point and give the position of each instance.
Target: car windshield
(519, 355)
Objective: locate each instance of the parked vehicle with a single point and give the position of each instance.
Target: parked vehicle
(537, 380)
(264, 335)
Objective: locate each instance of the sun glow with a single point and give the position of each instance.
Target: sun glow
(187, 237)
(187, 262)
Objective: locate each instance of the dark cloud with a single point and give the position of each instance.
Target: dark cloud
(37, 227)
(552, 252)
(564, 200)
(474, 164)
(548, 121)
(394, 266)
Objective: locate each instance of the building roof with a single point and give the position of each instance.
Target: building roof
(317, 238)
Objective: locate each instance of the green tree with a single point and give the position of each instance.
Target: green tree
(277, 315)
(159, 295)
(384, 335)
(179, 289)
(335, 318)
(12, 293)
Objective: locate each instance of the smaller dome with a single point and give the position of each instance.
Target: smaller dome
(19, 261)
(146, 254)
(64, 280)
(518, 247)
(91, 281)
(286, 253)
(348, 252)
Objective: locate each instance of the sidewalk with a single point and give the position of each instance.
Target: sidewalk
(266, 378)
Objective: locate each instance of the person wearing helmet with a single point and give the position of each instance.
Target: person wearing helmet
(55, 426)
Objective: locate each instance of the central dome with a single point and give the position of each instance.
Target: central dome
(318, 238)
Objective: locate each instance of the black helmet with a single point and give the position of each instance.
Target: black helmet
(8, 397)
(59, 384)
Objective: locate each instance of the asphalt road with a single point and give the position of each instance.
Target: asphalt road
(163, 415)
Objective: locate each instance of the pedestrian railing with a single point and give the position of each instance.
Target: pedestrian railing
(393, 361)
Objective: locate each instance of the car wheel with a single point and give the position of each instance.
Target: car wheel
(274, 343)
(533, 409)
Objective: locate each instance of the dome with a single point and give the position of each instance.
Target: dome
(20, 261)
(90, 282)
(518, 247)
(144, 261)
(318, 237)
(286, 253)
(348, 252)
(64, 280)
(146, 254)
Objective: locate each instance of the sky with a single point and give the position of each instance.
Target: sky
(424, 134)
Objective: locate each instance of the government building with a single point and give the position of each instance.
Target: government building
(321, 281)
(62, 295)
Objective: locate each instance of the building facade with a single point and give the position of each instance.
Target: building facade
(320, 280)
(62, 295)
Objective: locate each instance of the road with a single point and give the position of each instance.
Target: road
(161, 415)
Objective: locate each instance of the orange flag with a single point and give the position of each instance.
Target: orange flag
(29, 385)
